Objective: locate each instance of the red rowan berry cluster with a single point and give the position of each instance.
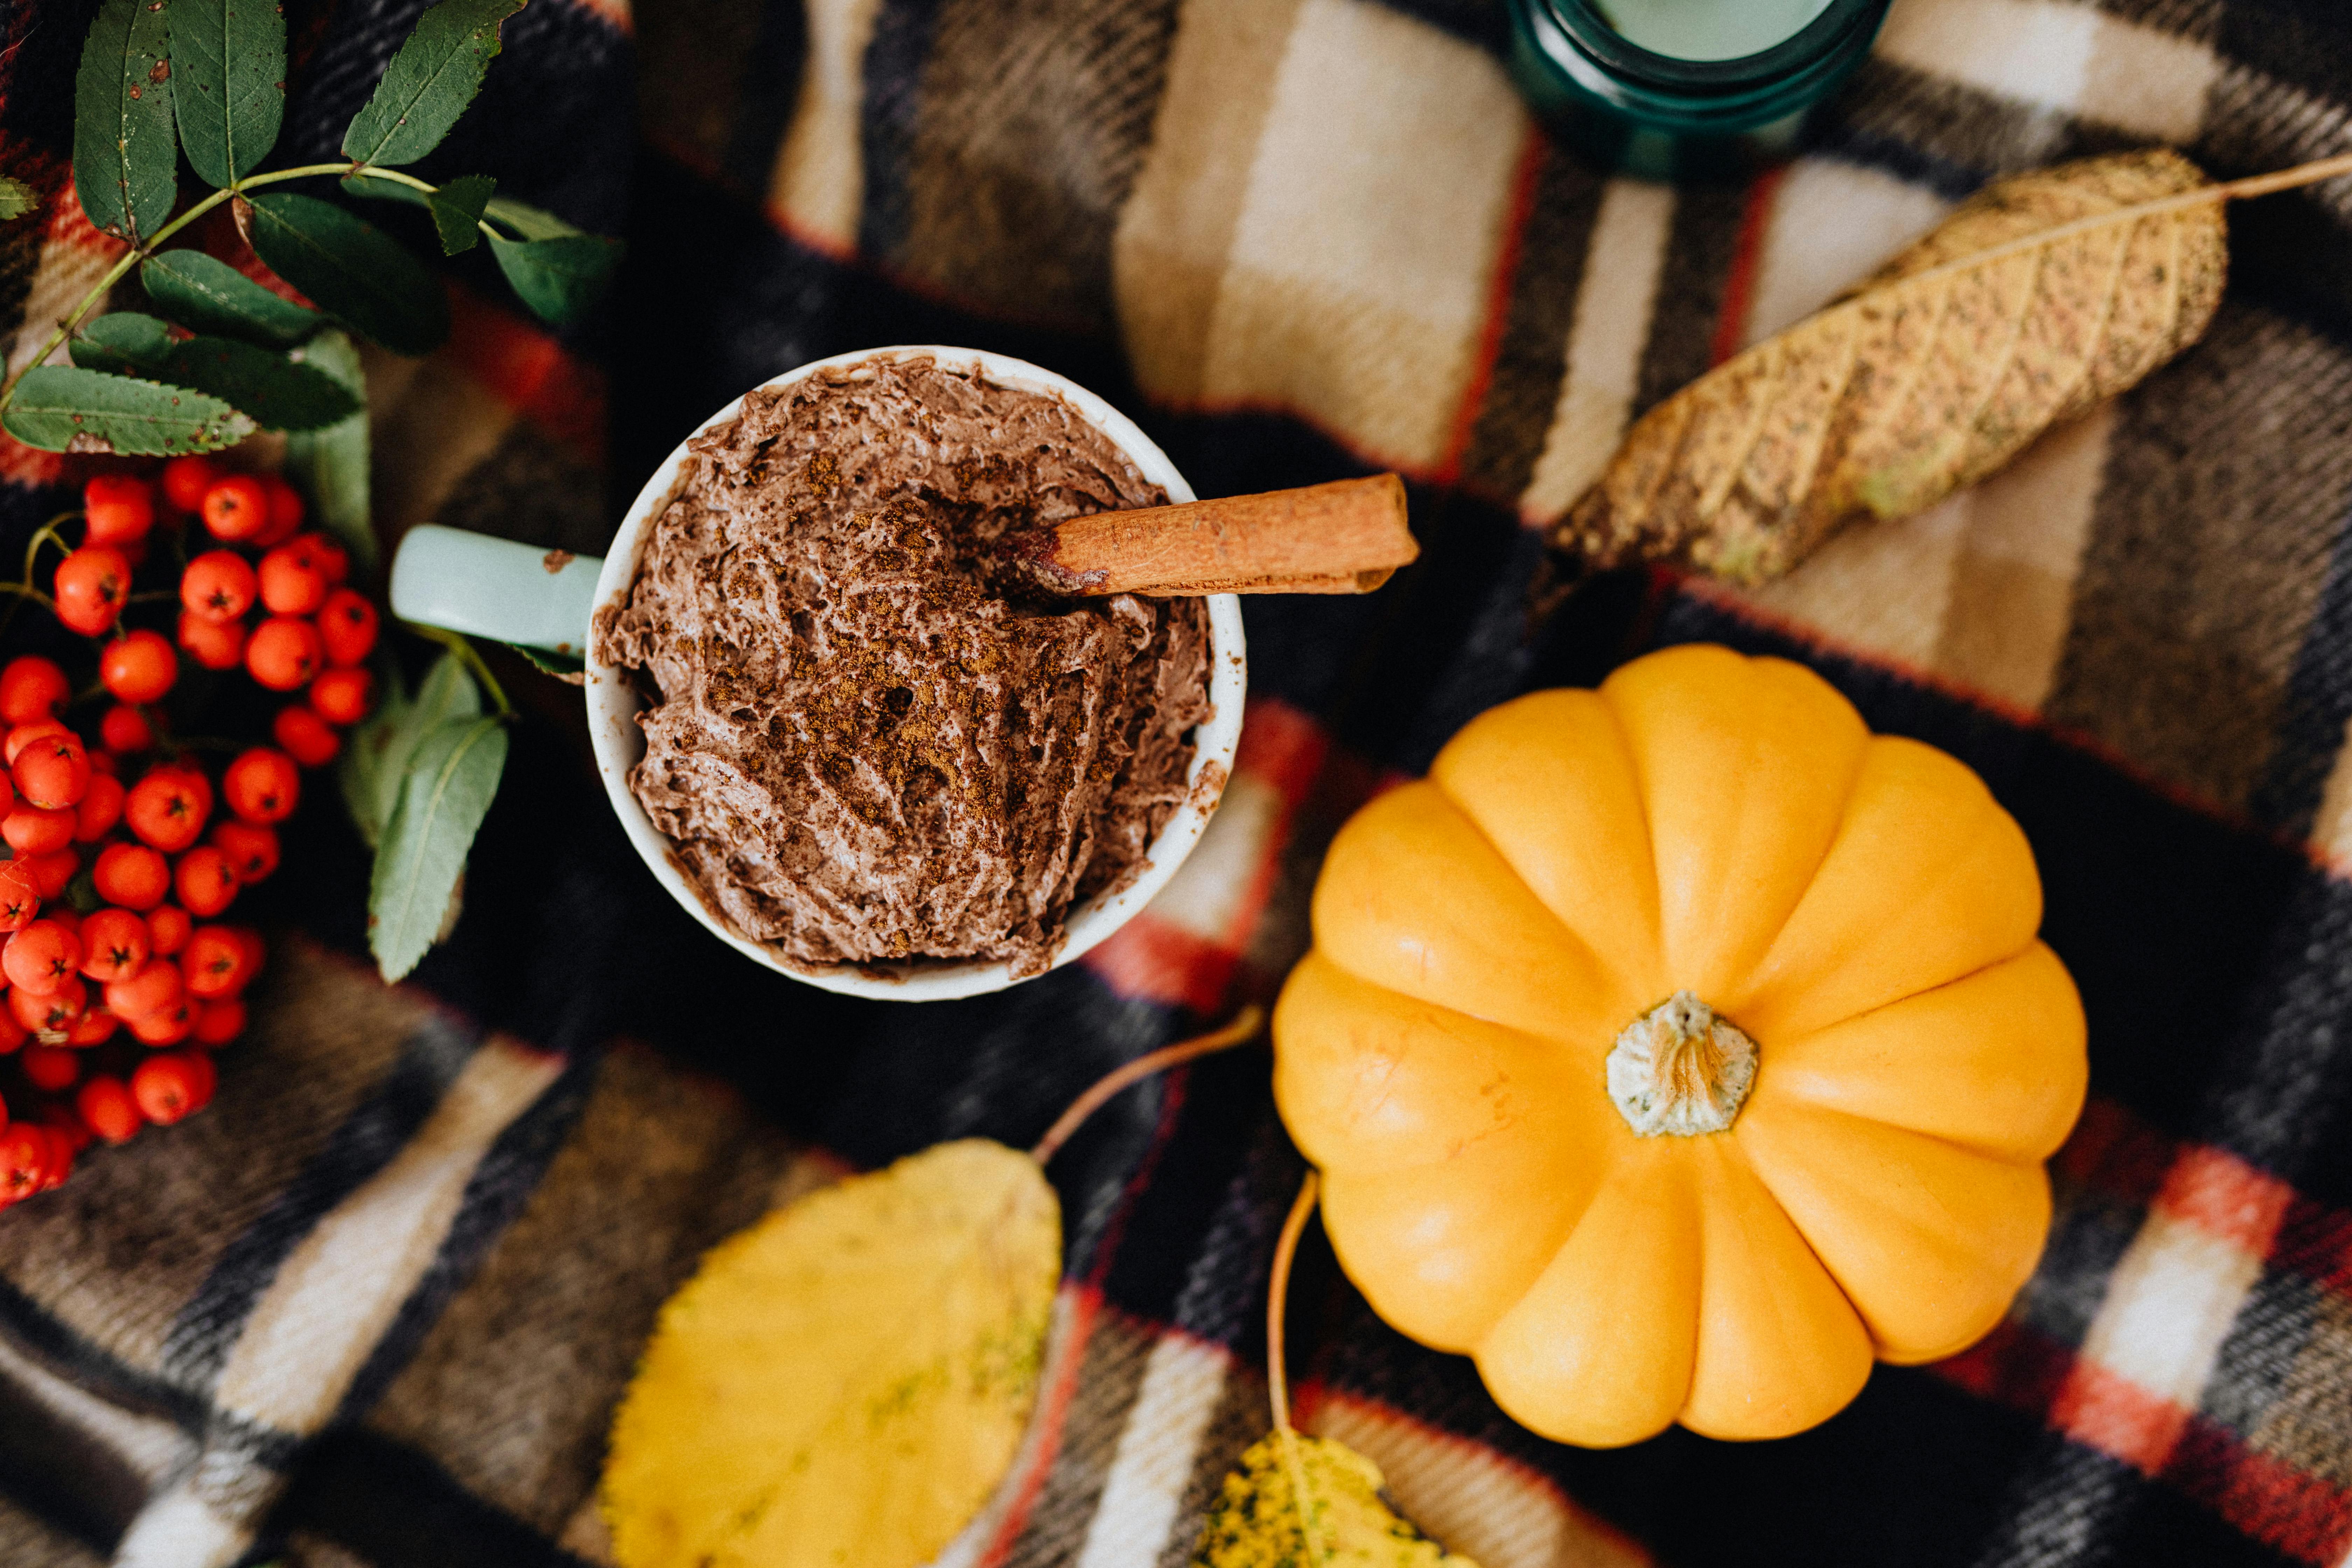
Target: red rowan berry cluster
(118, 976)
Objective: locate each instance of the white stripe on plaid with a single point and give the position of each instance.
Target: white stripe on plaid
(818, 185)
(1605, 340)
(1182, 1384)
(2074, 58)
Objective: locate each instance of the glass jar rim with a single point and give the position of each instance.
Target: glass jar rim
(1590, 31)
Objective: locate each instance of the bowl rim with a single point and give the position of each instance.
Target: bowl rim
(613, 702)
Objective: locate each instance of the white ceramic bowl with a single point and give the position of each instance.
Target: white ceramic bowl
(613, 702)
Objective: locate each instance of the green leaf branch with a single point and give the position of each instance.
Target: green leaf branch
(204, 77)
(164, 84)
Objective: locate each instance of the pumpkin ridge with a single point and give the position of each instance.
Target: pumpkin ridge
(1773, 1089)
(1610, 693)
(1623, 981)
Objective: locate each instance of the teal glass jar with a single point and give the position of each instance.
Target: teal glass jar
(1668, 115)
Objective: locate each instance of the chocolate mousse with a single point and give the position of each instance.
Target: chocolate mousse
(868, 737)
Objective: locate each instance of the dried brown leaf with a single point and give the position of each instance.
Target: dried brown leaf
(1927, 376)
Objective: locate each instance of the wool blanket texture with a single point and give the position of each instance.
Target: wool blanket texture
(374, 1307)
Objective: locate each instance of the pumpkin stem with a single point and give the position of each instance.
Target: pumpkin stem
(1681, 1068)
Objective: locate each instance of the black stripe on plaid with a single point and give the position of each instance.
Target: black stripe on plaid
(502, 1184)
(207, 1327)
(397, 1508)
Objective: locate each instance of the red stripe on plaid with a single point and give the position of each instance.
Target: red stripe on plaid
(2223, 1196)
(1281, 746)
(2107, 1411)
(1739, 283)
(2288, 1509)
(1160, 961)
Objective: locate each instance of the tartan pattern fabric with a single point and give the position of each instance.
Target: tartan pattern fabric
(374, 1308)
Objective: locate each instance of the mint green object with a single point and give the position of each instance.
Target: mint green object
(1709, 29)
(494, 588)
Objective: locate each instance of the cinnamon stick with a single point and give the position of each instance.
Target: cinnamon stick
(1342, 538)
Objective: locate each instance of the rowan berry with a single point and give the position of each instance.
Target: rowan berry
(118, 509)
(103, 762)
(218, 585)
(126, 729)
(31, 831)
(23, 1162)
(100, 808)
(114, 943)
(61, 1120)
(186, 481)
(283, 653)
(53, 1014)
(91, 586)
(155, 986)
(215, 644)
(63, 1147)
(168, 1027)
(170, 1086)
(51, 772)
(20, 894)
(217, 962)
(130, 875)
(168, 926)
(334, 561)
(205, 882)
(106, 1108)
(31, 689)
(65, 914)
(304, 737)
(94, 1027)
(52, 1068)
(190, 774)
(53, 872)
(24, 735)
(164, 812)
(341, 696)
(41, 958)
(347, 627)
(291, 581)
(285, 512)
(218, 1022)
(236, 507)
(139, 668)
(262, 786)
(251, 848)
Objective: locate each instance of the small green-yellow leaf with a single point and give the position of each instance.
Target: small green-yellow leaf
(1257, 1520)
(17, 198)
(846, 1382)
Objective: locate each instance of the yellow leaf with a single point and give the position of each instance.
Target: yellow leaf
(843, 1384)
(1928, 376)
(1257, 1522)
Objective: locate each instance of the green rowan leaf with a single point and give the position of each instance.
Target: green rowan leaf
(206, 294)
(274, 391)
(331, 463)
(352, 269)
(562, 666)
(229, 74)
(123, 342)
(456, 207)
(558, 279)
(60, 409)
(445, 793)
(124, 150)
(17, 198)
(429, 83)
(376, 760)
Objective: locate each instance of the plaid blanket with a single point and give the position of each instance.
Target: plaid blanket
(374, 1308)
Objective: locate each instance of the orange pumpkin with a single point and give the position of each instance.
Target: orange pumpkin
(1676, 1048)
